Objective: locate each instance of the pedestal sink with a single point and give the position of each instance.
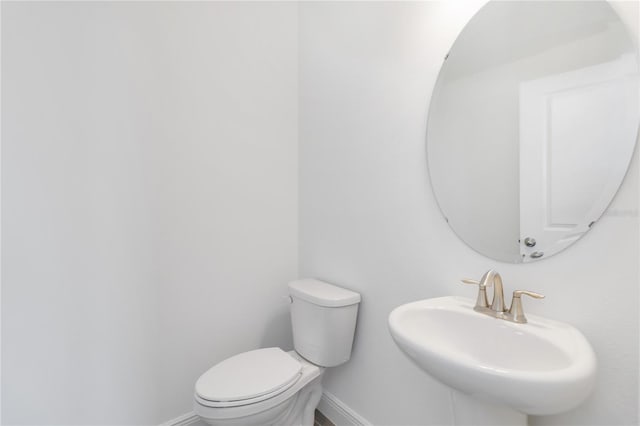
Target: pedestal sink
(542, 367)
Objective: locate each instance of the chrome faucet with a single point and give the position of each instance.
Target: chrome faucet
(497, 309)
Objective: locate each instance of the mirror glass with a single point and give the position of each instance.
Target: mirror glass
(532, 125)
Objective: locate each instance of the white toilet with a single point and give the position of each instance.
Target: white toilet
(272, 387)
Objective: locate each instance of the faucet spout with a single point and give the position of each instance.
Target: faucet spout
(491, 276)
(497, 308)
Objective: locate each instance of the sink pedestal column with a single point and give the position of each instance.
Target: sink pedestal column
(469, 411)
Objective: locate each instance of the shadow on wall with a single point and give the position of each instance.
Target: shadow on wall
(277, 331)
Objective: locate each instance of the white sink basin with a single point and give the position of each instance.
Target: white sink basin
(542, 367)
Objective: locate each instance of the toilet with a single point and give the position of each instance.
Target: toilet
(272, 387)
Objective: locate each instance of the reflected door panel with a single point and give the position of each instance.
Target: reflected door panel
(569, 161)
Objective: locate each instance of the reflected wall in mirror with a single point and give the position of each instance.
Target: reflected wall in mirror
(532, 125)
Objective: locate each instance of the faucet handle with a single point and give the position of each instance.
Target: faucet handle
(519, 293)
(476, 282)
(481, 301)
(516, 310)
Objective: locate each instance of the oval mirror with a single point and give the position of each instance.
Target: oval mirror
(532, 125)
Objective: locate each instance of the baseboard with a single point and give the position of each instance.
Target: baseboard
(339, 413)
(184, 420)
(331, 407)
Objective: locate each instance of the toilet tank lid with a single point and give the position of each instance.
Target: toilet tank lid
(322, 294)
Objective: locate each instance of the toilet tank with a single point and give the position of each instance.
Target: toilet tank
(323, 319)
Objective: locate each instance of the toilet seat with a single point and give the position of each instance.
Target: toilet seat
(248, 378)
(261, 413)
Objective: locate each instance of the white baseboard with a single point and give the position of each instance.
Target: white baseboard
(184, 420)
(339, 413)
(332, 408)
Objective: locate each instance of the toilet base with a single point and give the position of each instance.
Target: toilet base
(303, 410)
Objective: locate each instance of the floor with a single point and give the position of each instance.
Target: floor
(322, 420)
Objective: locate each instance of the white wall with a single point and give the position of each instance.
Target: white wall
(149, 194)
(369, 221)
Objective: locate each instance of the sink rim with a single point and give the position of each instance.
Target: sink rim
(536, 326)
(522, 389)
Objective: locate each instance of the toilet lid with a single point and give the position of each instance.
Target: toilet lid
(249, 375)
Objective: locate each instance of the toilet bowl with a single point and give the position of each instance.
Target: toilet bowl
(283, 400)
(272, 387)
